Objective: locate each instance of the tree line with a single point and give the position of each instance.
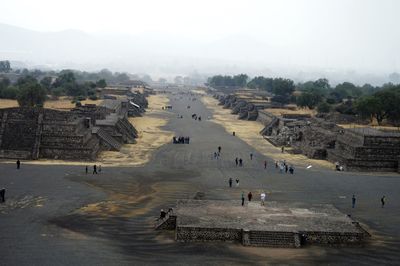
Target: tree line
(367, 101)
(33, 87)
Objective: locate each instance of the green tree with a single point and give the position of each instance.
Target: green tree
(101, 83)
(309, 99)
(31, 95)
(46, 83)
(5, 66)
(323, 107)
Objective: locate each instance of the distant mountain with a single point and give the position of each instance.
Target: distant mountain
(161, 54)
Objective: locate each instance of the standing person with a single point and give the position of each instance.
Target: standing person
(237, 182)
(265, 164)
(383, 200)
(3, 195)
(94, 169)
(286, 168)
(262, 196)
(249, 196)
(353, 201)
(86, 169)
(18, 164)
(291, 169)
(240, 162)
(215, 155)
(251, 156)
(237, 161)
(283, 149)
(219, 149)
(233, 133)
(276, 164)
(281, 168)
(230, 182)
(242, 198)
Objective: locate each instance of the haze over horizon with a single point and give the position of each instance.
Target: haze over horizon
(355, 40)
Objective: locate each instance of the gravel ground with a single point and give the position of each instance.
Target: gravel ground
(58, 215)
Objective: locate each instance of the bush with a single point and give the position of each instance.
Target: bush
(323, 107)
(93, 97)
(10, 92)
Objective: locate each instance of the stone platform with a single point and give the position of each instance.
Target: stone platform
(275, 224)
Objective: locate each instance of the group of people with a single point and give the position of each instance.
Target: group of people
(239, 162)
(230, 181)
(180, 140)
(195, 117)
(250, 197)
(96, 169)
(284, 167)
(353, 201)
(163, 213)
(338, 167)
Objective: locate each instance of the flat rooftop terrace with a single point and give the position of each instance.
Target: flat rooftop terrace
(274, 216)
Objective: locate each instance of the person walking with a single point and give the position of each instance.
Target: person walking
(237, 161)
(86, 169)
(219, 149)
(262, 196)
(291, 170)
(230, 182)
(276, 164)
(3, 195)
(237, 182)
(286, 168)
(283, 149)
(242, 198)
(383, 201)
(281, 168)
(240, 162)
(18, 164)
(94, 169)
(265, 164)
(249, 196)
(251, 156)
(353, 201)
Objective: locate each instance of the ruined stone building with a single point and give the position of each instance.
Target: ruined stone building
(367, 149)
(34, 133)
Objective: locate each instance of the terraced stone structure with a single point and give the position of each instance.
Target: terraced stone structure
(367, 149)
(244, 106)
(34, 133)
(272, 225)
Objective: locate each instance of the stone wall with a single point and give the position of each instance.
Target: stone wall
(367, 150)
(188, 234)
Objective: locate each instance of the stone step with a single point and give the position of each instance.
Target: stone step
(107, 138)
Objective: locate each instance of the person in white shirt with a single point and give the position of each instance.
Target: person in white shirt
(263, 198)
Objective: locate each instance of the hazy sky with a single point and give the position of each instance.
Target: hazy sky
(357, 34)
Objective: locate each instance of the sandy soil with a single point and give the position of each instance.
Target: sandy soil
(248, 131)
(279, 111)
(63, 103)
(151, 136)
(376, 127)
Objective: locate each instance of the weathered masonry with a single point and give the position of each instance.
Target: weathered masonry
(273, 225)
(34, 133)
(367, 149)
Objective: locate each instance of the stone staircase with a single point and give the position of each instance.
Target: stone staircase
(268, 129)
(38, 137)
(167, 223)
(107, 138)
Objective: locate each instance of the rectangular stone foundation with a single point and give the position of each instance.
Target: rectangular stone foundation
(272, 225)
